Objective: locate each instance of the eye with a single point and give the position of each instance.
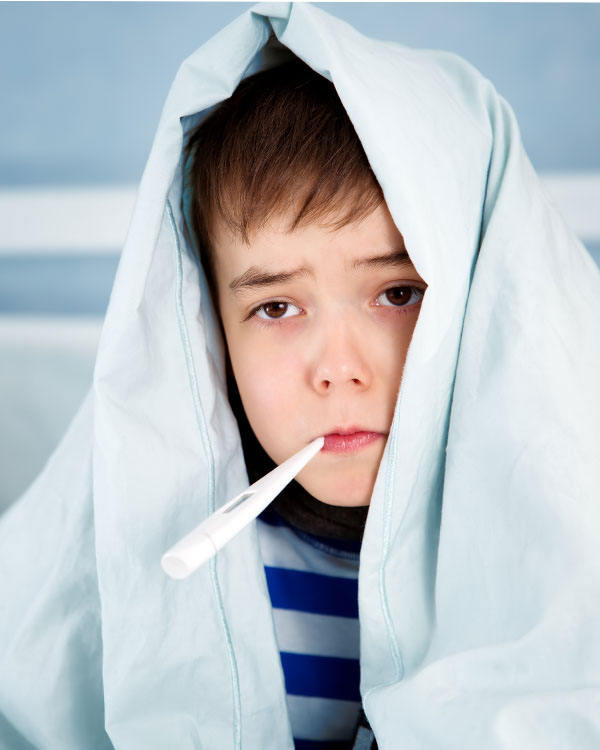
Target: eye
(401, 296)
(275, 310)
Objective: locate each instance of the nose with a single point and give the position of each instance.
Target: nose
(341, 359)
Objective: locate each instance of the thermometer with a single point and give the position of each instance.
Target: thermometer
(207, 539)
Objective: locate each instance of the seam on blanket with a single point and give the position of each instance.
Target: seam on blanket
(387, 530)
(201, 421)
(386, 536)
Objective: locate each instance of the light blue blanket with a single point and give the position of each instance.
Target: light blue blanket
(480, 571)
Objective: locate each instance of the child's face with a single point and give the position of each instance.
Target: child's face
(318, 324)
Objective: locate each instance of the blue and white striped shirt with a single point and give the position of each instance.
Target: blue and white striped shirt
(313, 585)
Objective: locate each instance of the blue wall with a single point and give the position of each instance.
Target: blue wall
(83, 83)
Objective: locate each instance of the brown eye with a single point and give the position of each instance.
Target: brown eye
(399, 295)
(275, 309)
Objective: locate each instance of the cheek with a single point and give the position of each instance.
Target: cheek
(390, 342)
(263, 389)
(270, 384)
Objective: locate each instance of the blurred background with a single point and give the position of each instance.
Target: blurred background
(82, 86)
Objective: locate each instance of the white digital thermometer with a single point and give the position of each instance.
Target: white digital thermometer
(206, 539)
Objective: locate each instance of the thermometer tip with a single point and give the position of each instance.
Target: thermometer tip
(174, 567)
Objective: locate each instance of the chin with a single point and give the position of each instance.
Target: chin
(341, 503)
(334, 493)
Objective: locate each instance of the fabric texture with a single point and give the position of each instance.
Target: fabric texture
(479, 582)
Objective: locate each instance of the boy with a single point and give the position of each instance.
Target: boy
(479, 575)
(318, 300)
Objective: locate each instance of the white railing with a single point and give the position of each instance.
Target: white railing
(82, 220)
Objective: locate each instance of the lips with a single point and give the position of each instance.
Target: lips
(350, 439)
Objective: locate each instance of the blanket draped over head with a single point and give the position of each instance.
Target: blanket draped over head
(479, 578)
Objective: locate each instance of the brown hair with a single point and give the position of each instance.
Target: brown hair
(282, 142)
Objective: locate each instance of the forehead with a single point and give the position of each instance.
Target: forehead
(274, 244)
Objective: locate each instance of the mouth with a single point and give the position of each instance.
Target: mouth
(350, 440)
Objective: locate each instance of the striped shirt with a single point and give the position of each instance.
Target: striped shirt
(313, 586)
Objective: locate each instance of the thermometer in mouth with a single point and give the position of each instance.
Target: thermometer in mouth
(206, 540)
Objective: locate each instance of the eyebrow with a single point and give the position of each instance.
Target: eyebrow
(395, 259)
(256, 277)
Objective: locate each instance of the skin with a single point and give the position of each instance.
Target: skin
(324, 348)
